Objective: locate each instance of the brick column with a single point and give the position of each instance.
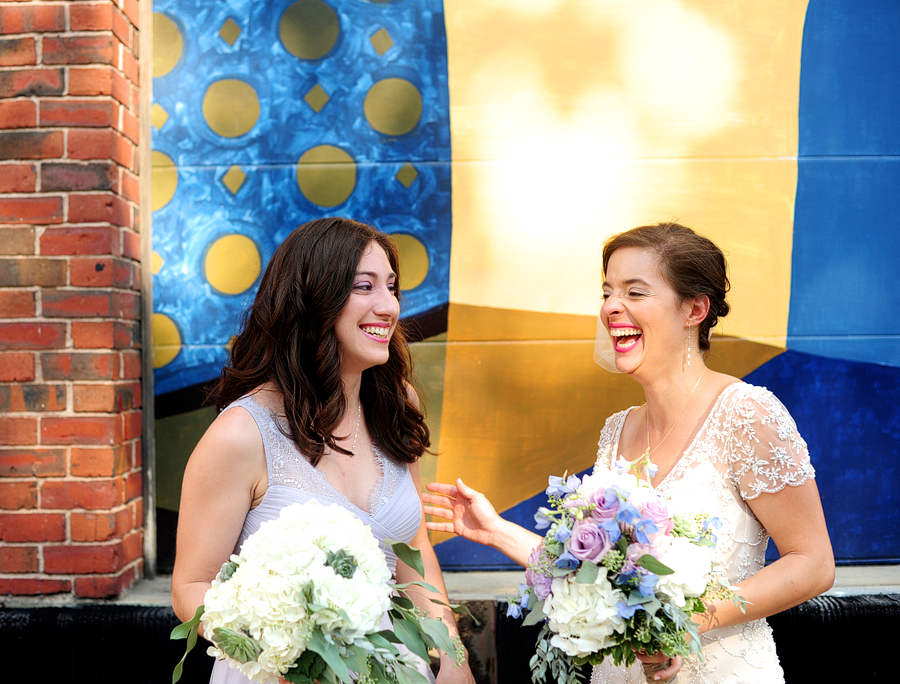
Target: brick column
(70, 363)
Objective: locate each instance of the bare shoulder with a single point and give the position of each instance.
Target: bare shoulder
(232, 444)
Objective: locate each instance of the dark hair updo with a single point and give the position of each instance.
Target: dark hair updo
(691, 264)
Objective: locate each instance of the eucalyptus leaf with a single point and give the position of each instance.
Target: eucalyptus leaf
(356, 659)
(409, 635)
(403, 602)
(187, 630)
(650, 563)
(535, 616)
(330, 654)
(437, 631)
(417, 583)
(412, 557)
(587, 573)
(387, 635)
(407, 675)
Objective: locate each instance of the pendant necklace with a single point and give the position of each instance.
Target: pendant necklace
(649, 450)
(359, 417)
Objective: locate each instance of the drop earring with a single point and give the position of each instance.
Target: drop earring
(688, 346)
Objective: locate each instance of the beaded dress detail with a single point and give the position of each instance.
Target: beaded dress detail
(394, 507)
(748, 445)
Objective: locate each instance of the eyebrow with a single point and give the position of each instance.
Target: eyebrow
(372, 274)
(630, 281)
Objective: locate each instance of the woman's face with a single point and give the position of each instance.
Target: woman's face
(642, 313)
(368, 319)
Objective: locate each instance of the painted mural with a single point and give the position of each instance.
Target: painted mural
(502, 141)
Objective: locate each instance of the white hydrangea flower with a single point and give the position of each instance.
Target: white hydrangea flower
(583, 617)
(692, 565)
(282, 570)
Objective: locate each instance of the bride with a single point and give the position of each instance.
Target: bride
(720, 445)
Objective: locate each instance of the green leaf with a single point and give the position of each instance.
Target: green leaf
(330, 654)
(587, 573)
(407, 675)
(412, 557)
(535, 616)
(409, 635)
(438, 633)
(416, 583)
(356, 659)
(384, 638)
(188, 629)
(403, 602)
(307, 669)
(648, 562)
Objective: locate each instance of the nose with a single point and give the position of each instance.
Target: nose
(387, 304)
(611, 305)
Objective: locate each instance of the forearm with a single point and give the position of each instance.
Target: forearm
(515, 542)
(787, 582)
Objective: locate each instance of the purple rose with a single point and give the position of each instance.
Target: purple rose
(536, 579)
(657, 510)
(589, 542)
(606, 505)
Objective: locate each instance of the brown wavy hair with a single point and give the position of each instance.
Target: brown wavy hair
(691, 264)
(287, 338)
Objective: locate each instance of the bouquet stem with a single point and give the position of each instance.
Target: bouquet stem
(650, 669)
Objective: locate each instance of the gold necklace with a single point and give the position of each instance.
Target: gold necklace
(649, 450)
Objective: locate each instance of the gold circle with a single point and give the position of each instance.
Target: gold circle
(232, 264)
(166, 340)
(309, 29)
(326, 175)
(393, 106)
(231, 107)
(413, 260)
(167, 44)
(163, 180)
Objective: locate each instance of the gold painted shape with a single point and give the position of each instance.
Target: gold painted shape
(158, 116)
(414, 262)
(232, 264)
(480, 323)
(231, 107)
(234, 178)
(229, 31)
(156, 263)
(535, 407)
(393, 106)
(316, 98)
(166, 340)
(163, 180)
(326, 175)
(309, 29)
(167, 44)
(407, 174)
(381, 40)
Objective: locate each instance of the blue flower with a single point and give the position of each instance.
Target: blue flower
(542, 519)
(559, 489)
(643, 528)
(627, 513)
(647, 584)
(566, 560)
(626, 611)
(622, 466)
(612, 529)
(562, 533)
(514, 610)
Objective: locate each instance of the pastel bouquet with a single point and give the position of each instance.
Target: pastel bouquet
(304, 601)
(618, 571)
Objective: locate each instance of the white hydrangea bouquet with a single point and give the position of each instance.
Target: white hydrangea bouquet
(617, 572)
(304, 601)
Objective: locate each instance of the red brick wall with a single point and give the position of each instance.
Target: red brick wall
(70, 394)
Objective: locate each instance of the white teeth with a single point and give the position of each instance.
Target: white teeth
(377, 332)
(622, 332)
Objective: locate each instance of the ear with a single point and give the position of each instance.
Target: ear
(697, 309)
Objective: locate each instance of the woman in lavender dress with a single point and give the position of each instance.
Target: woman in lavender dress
(315, 404)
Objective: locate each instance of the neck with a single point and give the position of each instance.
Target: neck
(666, 394)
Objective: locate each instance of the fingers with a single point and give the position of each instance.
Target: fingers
(441, 488)
(439, 527)
(671, 671)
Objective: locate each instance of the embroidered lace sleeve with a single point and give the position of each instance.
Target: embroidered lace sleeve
(764, 450)
(609, 437)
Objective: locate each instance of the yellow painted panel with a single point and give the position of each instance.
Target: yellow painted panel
(583, 118)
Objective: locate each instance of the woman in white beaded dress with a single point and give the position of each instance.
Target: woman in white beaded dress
(315, 404)
(720, 445)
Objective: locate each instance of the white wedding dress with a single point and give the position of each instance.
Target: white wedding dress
(748, 445)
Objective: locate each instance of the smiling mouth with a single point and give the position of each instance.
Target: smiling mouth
(624, 339)
(378, 332)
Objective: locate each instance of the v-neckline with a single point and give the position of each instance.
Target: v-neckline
(382, 465)
(713, 409)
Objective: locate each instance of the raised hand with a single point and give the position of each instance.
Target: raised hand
(472, 516)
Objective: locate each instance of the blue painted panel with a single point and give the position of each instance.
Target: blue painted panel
(844, 290)
(269, 204)
(849, 414)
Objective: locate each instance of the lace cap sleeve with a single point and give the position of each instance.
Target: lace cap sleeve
(764, 450)
(609, 437)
